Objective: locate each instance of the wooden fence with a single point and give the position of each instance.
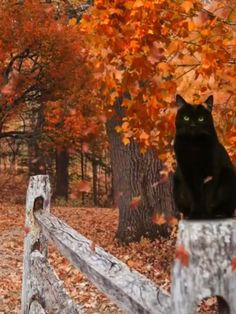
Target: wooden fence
(204, 266)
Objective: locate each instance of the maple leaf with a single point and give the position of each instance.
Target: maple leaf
(158, 219)
(182, 255)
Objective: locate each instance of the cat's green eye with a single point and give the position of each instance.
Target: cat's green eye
(201, 119)
(186, 118)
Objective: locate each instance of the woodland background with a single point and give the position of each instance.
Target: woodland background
(87, 95)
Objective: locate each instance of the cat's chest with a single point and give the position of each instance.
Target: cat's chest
(195, 157)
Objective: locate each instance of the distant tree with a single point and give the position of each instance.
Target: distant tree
(154, 49)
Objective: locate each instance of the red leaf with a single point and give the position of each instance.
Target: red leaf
(233, 263)
(182, 255)
(26, 230)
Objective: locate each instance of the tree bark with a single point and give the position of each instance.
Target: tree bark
(137, 175)
(95, 181)
(37, 164)
(82, 173)
(62, 174)
(204, 265)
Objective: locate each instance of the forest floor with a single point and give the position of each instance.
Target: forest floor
(153, 259)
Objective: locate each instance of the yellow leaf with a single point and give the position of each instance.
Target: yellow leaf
(118, 129)
(187, 6)
(138, 4)
(125, 126)
(191, 26)
(73, 21)
(125, 141)
(174, 46)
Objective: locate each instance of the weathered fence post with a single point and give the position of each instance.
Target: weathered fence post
(38, 196)
(205, 264)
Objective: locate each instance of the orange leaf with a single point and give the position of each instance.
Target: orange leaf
(158, 219)
(233, 264)
(73, 21)
(232, 139)
(172, 221)
(125, 140)
(130, 263)
(135, 201)
(182, 255)
(187, 5)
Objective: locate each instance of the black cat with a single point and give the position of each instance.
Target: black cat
(205, 178)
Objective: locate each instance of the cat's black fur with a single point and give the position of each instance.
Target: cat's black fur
(205, 178)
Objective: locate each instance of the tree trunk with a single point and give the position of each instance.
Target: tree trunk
(137, 176)
(82, 173)
(62, 173)
(37, 164)
(95, 180)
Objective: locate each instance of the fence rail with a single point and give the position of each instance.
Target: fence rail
(127, 288)
(205, 265)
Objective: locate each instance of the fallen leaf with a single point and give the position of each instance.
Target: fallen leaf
(130, 263)
(135, 201)
(158, 219)
(182, 255)
(233, 264)
(26, 230)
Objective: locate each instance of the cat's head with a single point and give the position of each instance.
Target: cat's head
(194, 120)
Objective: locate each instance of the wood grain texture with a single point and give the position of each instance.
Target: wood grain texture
(39, 187)
(51, 287)
(211, 248)
(130, 290)
(36, 308)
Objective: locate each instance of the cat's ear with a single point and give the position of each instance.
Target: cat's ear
(209, 103)
(180, 101)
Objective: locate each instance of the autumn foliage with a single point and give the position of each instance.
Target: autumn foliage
(41, 63)
(153, 49)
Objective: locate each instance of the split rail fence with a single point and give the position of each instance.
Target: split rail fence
(208, 269)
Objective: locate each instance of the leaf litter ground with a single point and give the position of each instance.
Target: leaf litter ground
(153, 259)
